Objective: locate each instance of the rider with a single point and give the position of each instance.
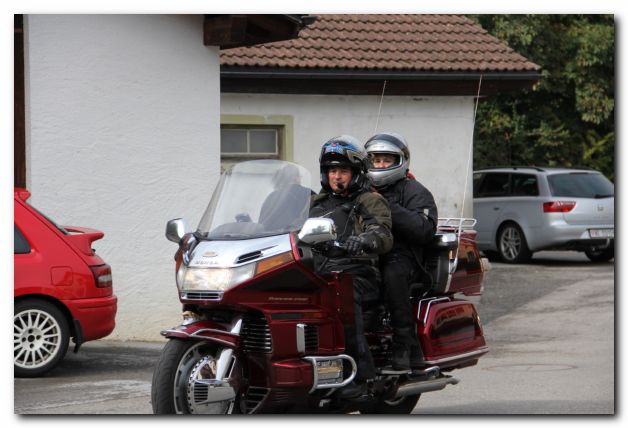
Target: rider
(415, 218)
(363, 221)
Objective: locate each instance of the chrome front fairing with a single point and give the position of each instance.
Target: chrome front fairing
(227, 254)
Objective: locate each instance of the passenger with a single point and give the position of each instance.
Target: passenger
(414, 222)
(363, 222)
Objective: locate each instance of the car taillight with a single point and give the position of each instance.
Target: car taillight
(558, 206)
(102, 275)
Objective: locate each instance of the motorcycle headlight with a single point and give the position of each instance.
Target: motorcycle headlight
(213, 279)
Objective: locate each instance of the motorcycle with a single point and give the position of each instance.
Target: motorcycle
(263, 332)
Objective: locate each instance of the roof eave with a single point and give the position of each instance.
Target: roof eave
(292, 73)
(232, 31)
(360, 82)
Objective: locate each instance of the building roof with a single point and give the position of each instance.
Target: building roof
(393, 43)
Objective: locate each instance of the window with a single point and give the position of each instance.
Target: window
(20, 244)
(240, 143)
(581, 185)
(524, 185)
(477, 180)
(493, 185)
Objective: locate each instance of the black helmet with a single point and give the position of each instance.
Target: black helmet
(344, 150)
(392, 144)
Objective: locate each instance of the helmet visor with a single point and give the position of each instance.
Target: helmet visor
(383, 161)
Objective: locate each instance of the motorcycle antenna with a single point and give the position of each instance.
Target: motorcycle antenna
(469, 158)
(379, 111)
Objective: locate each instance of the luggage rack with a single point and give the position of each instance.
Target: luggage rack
(457, 222)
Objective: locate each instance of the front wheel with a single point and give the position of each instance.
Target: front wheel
(512, 245)
(400, 406)
(184, 380)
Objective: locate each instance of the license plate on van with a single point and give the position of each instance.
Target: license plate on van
(602, 233)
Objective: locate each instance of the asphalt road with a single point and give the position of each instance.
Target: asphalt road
(549, 325)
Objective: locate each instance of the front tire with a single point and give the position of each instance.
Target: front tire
(40, 337)
(401, 406)
(181, 362)
(512, 245)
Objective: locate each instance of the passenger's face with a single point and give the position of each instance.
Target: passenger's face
(382, 160)
(339, 178)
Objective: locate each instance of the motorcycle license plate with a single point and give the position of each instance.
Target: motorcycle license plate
(602, 233)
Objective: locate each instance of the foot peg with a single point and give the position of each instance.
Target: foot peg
(429, 372)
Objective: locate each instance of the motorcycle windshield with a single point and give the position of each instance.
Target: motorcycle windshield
(257, 198)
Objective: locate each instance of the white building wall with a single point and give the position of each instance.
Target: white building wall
(122, 135)
(439, 131)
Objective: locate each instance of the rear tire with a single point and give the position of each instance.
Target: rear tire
(170, 393)
(601, 254)
(402, 406)
(512, 245)
(40, 337)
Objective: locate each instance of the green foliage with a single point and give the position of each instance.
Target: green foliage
(567, 119)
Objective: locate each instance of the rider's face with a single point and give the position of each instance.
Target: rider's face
(339, 178)
(382, 160)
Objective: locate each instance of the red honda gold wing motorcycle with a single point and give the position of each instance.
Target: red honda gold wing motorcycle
(262, 332)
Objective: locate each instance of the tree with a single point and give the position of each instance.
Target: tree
(566, 119)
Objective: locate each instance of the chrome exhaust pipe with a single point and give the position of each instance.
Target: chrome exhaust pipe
(421, 386)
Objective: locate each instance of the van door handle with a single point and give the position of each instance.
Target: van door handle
(495, 208)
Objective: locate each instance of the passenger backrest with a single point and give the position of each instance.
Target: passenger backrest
(436, 259)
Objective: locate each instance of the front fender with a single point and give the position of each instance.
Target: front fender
(204, 330)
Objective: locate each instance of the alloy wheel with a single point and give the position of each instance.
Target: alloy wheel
(37, 338)
(510, 243)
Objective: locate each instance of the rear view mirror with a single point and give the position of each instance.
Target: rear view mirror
(317, 230)
(175, 229)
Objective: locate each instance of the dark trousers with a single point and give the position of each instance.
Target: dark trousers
(398, 270)
(365, 291)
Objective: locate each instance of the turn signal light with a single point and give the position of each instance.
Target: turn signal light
(558, 206)
(273, 262)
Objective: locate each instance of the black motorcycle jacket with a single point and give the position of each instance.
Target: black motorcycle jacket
(414, 215)
(363, 212)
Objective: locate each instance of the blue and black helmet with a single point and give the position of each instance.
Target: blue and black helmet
(344, 150)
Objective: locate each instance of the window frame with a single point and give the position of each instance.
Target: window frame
(284, 124)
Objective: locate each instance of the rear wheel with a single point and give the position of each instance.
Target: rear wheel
(512, 245)
(400, 406)
(184, 380)
(601, 254)
(40, 337)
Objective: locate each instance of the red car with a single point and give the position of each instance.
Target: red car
(62, 289)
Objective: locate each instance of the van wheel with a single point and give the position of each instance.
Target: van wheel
(40, 337)
(512, 245)
(600, 254)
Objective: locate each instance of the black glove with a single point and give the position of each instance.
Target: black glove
(355, 245)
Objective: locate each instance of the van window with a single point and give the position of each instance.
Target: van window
(524, 185)
(20, 244)
(494, 184)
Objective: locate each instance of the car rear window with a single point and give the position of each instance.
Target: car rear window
(581, 185)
